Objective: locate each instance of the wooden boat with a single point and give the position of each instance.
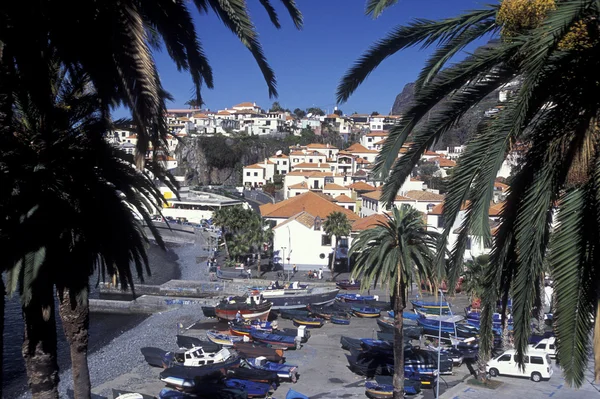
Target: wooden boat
(274, 339)
(291, 313)
(252, 374)
(286, 372)
(298, 298)
(120, 394)
(366, 312)
(183, 377)
(350, 343)
(343, 320)
(348, 285)
(430, 304)
(245, 328)
(223, 339)
(356, 297)
(209, 311)
(295, 395)
(293, 332)
(183, 341)
(249, 349)
(251, 308)
(309, 322)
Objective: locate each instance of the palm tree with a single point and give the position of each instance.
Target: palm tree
(396, 253)
(125, 72)
(548, 52)
(78, 204)
(336, 225)
(259, 232)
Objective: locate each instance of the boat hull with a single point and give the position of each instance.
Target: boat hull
(247, 314)
(310, 323)
(301, 301)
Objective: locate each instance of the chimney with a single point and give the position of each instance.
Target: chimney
(265, 161)
(327, 145)
(254, 104)
(319, 164)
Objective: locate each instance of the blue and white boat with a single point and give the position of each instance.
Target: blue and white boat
(430, 304)
(448, 323)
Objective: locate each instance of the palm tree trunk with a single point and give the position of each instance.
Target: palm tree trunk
(482, 359)
(334, 257)
(75, 316)
(399, 305)
(597, 344)
(2, 303)
(506, 341)
(39, 345)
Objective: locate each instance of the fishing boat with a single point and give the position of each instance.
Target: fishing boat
(339, 319)
(295, 395)
(356, 297)
(366, 312)
(245, 328)
(386, 325)
(209, 311)
(426, 312)
(448, 323)
(309, 322)
(348, 285)
(430, 304)
(184, 341)
(291, 313)
(412, 384)
(377, 345)
(120, 394)
(247, 373)
(376, 390)
(223, 339)
(350, 343)
(183, 377)
(405, 315)
(196, 357)
(300, 298)
(274, 339)
(253, 349)
(286, 372)
(250, 308)
(294, 332)
(253, 389)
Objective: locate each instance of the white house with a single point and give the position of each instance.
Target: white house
(258, 174)
(346, 202)
(298, 181)
(282, 163)
(360, 151)
(335, 190)
(369, 139)
(423, 201)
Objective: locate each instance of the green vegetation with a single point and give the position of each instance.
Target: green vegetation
(396, 253)
(547, 51)
(315, 111)
(336, 225)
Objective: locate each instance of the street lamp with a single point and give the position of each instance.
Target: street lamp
(283, 256)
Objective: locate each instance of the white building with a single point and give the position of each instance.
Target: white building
(258, 174)
(195, 206)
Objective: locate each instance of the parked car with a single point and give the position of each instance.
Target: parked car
(538, 365)
(547, 345)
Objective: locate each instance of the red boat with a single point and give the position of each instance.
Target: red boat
(251, 308)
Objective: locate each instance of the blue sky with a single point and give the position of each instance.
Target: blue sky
(309, 63)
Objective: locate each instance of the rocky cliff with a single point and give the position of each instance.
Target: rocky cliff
(459, 133)
(219, 160)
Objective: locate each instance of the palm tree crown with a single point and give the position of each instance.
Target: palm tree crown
(549, 52)
(396, 253)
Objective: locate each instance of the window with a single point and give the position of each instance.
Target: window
(541, 346)
(351, 208)
(283, 172)
(440, 221)
(247, 173)
(310, 160)
(297, 193)
(255, 173)
(369, 140)
(284, 162)
(552, 347)
(537, 360)
(123, 134)
(525, 359)
(504, 358)
(365, 158)
(325, 241)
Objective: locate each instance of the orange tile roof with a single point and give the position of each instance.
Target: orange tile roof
(333, 186)
(362, 161)
(439, 208)
(380, 142)
(246, 104)
(303, 218)
(281, 156)
(372, 195)
(299, 173)
(369, 222)
(444, 162)
(309, 202)
(418, 195)
(322, 146)
(289, 118)
(332, 116)
(359, 148)
(298, 186)
(223, 113)
(344, 198)
(255, 166)
(297, 153)
(308, 165)
(495, 209)
(381, 133)
(361, 186)
(133, 136)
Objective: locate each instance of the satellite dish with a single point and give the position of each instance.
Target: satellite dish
(278, 152)
(309, 115)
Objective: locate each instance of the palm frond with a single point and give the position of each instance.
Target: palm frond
(374, 8)
(294, 12)
(419, 31)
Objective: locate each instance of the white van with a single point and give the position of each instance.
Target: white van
(538, 365)
(547, 345)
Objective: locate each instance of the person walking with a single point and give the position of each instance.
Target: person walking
(249, 274)
(321, 273)
(294, 269)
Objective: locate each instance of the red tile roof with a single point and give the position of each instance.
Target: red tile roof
(309, 202)
(361, 186)
(344, 199)
(444, 162)
(333, 186)
(298, 186)
(378, 134)
(369, 222)
(308, 165)
(359, 148)
(246, 104)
